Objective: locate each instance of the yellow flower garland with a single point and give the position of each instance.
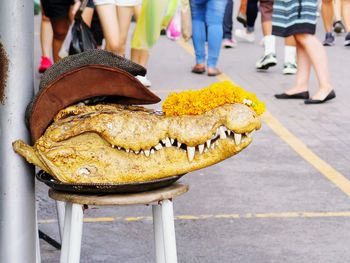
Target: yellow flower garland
(195, 102)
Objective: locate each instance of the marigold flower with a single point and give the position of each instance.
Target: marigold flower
(196, 102)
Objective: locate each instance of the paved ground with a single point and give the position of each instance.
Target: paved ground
(284, 199)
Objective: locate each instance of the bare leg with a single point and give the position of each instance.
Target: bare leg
(337, 10)
(60, 28)
(318, 57)
(346, 14)
(124, 19)
(46, 36)
(87, 15)
(327, 15)
(267, 28)
(303, 73)
(110, 28)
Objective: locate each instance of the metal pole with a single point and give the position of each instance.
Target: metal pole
(17, 197)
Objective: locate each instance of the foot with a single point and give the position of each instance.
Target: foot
(242, 18)
(198, 69)
(212, 72)
(300, 95)
(244, 35)
(145, 82)
(229, 43)
(45, 63)
(321, 96)
(329, 40)
(338, 27)
(347, 40)
(290, 68)
(266, 61)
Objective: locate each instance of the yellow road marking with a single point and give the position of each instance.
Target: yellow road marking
(296, 144)
(220, 216)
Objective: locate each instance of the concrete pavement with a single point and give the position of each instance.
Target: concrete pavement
(267, 204)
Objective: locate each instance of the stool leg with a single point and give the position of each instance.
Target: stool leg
(169, 231)
(60, 208)
(72, 233)
(158, 233)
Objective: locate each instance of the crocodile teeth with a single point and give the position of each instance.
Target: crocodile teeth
(167, 142)
(178, 144)
(228, 132)
(190, 153)
(172, 141)
(113, 146)
(238, 138)
(137, 152)
(158, 146)
(201, 148)
(147, 153)
(208, 143)
(212, 146)
(152, 151)
(127, 150)
(119, 148)
(249, 134)
(222, 133)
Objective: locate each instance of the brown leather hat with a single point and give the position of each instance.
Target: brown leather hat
(93, 74)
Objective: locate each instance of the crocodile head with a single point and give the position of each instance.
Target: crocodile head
(110, 143)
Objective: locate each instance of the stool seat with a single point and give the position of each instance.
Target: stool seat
(161, 201)
(143, 198)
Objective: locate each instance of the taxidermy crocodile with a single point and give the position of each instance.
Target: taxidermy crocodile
(114, 143)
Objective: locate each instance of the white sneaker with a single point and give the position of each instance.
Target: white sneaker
(266, 61)
(145, 82)
(243, 35)
(290, 68)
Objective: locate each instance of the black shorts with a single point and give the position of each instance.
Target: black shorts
(56, 8)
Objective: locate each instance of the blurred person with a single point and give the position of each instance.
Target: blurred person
(300, 22)
(125, 11)
(60, 13)
(346, 20)
(269, 57)
(228, 41)
(327, 17)
(242, 13)
(208, 13)
(107, 13)
(155, 14)
(46, 38)
(338, 26)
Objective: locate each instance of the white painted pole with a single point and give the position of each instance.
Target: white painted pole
(60, 209)
(158, 233)
(65, 246)
(17, 196)
(169, 232)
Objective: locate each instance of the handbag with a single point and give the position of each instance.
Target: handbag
(82, 37)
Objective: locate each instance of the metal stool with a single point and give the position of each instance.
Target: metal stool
(163, 218)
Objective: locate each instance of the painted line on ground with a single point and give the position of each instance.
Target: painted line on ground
(296, 144)
(281, 215)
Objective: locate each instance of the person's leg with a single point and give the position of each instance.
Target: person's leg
(318, 58)
(214, 17)
(346, 20)
(252, 12)
(139, 56)
(327, 16)
(87, 15)
(124, 19)
(228, 23)
(198, 31)
(290, 65)
(109, 22)
(242, 13)
(303, 75)
(46, 36)
(60, 28)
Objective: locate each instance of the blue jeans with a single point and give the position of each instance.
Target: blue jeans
(208, 13)
(228, 23)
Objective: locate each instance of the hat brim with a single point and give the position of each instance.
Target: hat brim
(84, 83)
